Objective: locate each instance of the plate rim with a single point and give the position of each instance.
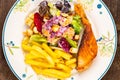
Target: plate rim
(115, 44)
(3, 45)
(18, 77)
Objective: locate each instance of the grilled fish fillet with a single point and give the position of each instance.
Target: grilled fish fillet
(88, 48)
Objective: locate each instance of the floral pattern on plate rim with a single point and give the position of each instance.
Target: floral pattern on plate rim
(105, 43)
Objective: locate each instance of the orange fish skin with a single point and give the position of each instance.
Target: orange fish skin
(88, 48)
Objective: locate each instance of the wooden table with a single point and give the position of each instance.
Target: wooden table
(112, 74)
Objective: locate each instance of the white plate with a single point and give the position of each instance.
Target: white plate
(103, 27)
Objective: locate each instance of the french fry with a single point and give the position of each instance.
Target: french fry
(49, 50)
(46, 73)
(25, 40)
(26, 47)
(72, 65)
(55, 73)
(39, 64)
(34, 55)
(59, 60)
(36, 69)
(30, 56)
(48, 58)
(37, 54)
(35, 43)
(71, 61)
(63, 67)
(41, 60)
(63, 54)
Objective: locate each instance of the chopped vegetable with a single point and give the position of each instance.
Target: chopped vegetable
(38, 22)
(77, 37)
(73, 50)
(77, 24)
(72, 43)
(63, 43)
(69, 33)
(38, 38)
(53, 10)
(76, 17)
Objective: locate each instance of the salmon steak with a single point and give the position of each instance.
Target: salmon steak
(88, 48)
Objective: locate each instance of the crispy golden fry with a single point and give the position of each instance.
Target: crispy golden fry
(35, 43)
(59, 60)
(64, 67)
(26, 47)
(63, 54)
(36, 69)
(49, 50)
(42, 52)
(44, 61)
(41, 60)
(25, 40)
(41, 64)
(55, 73)
(71, 61)
(30, 56)
(36, 53)
(33, 55)
(48, 74)
(72, 65)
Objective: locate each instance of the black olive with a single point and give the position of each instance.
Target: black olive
(65, 9)
(59, 5)
(44, 8)
(66, 3)
(44, 3)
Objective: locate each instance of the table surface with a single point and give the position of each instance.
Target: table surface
(112, 74)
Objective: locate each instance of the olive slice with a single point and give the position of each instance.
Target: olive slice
(59, 5)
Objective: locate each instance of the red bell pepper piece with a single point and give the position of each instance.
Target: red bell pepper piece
(38, 22)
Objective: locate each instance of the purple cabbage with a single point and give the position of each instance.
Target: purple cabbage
(61, 31)
(49, 23)
(52, 21)
(63, 43)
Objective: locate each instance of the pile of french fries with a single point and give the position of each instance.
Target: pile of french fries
(46, 61)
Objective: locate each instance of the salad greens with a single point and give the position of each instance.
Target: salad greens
(38, 38)
(57, 25)
(72, 42)
(77, 24)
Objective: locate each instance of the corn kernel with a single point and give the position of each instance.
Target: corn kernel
(55, 28)
(29, 32)
(35, 30)
(77, 37)
(73, 50)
